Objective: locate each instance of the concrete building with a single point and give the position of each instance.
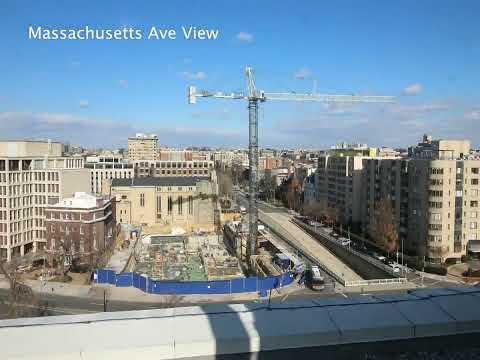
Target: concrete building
(33, 175)
(169, 168)
(310, 191)
(385, 178)
(339, 183)
(187, 202)
(434, 195)
(444, 205)
(278, 175)
(142, 147)
(107, 167)
(81, 225)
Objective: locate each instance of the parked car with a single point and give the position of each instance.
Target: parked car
(344, 241)
(395, 267)
(379, 257)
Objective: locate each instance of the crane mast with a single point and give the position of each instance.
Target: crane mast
(253, 97)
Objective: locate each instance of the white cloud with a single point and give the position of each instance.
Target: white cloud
(302, 74)
(123, 83)
(473, 115)
(413, 89)
(108, 133)
(245, 37)
(84, 104)
(199, 75)
(187, 61)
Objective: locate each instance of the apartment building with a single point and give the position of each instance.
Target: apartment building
(105, 167)
(434, 195)
(169, 168)
(81, 225)
(33, 175)
(187, 202)
(443, 199)
(143, 147)
(385, 178)
(339, 182)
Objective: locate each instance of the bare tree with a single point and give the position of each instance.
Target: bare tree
(383, 229)
(225, 183)
(21, 301)
(293, 194)
(269, 185)
(314, 209)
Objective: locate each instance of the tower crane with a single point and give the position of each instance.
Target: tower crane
(253, 97)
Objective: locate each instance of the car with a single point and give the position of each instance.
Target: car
(379, 257)
(344, 241)
(395, 267)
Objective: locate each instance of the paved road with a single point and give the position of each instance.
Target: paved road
(309, 245)
(68, 305)
(279, 219)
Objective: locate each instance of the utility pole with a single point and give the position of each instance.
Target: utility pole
(253, 97)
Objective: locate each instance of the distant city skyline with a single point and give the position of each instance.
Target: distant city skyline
(97, 93)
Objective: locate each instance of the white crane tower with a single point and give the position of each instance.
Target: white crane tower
(254, 96)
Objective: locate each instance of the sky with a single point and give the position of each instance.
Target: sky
(98, 92)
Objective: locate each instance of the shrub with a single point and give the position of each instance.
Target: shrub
(438, 270)
(451, 261)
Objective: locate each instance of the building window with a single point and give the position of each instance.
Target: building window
(142, 200)
(180, 205)
(436, 216)
(159, 206)
(474, 181)
(190, 205)
(474, 203)
(473, 214)
(473, 225)
(170, 205)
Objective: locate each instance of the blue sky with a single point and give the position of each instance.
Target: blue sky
(98, 92)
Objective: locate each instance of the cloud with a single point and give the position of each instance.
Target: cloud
(245, 37)
(84, 104)
(91, 132)
(302, 74)
(413, 89)
(473, 115)
(187, 61)
(199, 75)
(395, 124)
(123, 83)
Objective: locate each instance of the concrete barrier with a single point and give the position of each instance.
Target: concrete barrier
(323, 326)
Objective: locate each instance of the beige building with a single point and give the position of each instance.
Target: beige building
(33, 174)
(385, 178)
(339, 180)
(187, 202)
(169, 168)
(434, 195)
(103, 168)
(143, 147)
(444, 207)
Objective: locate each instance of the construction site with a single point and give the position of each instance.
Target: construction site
(186, 258)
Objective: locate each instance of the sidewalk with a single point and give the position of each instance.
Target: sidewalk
(96, 291)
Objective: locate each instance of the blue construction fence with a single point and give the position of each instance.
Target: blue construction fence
(239, 285)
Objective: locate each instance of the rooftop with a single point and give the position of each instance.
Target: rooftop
(82, 200)
(209, 331)
(159, 181)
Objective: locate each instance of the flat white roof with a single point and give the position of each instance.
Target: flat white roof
(80, 200)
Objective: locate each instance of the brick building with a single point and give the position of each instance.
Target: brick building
(85, 224)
